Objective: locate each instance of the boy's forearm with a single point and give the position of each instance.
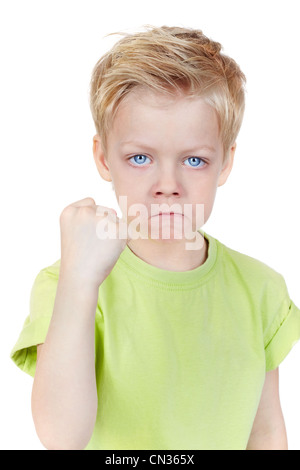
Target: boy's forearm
(64, 395)
(274, 440)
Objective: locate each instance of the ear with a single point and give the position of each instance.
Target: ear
(100, 158)
(227, 166)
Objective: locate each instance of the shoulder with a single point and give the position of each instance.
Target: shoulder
(48, 274)
(249, 280)
(44, 287)
(248, 268)
(51, 271)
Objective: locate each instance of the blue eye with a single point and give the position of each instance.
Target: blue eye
(139, 159)
(195, 162)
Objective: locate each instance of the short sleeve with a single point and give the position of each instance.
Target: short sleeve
(34, 331)
(282, 325)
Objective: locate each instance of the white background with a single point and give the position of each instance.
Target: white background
(48, 50)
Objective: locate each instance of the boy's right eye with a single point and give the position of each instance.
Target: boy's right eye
(138, 160)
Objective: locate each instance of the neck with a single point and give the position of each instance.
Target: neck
(170, 255)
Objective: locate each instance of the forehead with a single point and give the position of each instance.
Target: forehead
(147, 114)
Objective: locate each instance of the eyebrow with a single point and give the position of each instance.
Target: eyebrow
(145, 146)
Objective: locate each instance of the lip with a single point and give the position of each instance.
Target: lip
(168, 214)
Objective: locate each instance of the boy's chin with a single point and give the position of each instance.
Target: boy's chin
(176, 229)
(168, 229)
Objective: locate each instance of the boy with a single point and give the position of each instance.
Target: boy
(139, 340)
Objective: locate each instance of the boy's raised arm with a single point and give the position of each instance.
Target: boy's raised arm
(64, 394)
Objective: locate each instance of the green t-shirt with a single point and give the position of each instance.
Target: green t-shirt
(180, 357)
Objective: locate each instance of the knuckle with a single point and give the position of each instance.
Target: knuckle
(64, 213)
(89, 199)
(105, 211)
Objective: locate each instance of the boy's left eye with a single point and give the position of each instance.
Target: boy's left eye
(195, 162)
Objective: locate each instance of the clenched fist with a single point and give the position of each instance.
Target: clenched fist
(86, 256)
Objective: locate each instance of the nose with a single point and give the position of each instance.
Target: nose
(167, 184)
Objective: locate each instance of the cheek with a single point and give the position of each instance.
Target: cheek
(126, 183)
(205, 195)
(121, 186)
(204, 189)
(129, 201)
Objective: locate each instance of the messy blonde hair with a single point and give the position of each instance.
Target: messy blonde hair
(170, 60)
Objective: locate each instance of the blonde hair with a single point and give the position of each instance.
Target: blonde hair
(170, 60)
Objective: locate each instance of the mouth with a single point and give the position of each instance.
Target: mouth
(168, 214)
